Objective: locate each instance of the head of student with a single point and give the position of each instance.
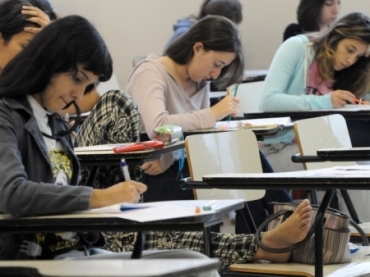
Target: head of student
(64, 61)
(343, 53)
(13, 37)
(231, 9)
(211, 49)
(313, 15)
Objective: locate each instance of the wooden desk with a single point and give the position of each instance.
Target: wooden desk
(260, 133)
(83, 222)
(311, 179)
(95, 160)
(297, 115)
(356, 267)
(111, 268)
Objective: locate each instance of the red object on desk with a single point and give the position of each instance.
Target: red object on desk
(137, 146)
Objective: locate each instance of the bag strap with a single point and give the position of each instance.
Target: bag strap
(285, 213)
(365, 240)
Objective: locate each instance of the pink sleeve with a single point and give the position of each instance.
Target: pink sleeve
(148, 88)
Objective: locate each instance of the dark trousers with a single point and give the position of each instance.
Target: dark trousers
(359, 132)
(165, 186)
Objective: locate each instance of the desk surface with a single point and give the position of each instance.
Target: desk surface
(353, 177)
(356, 267)
(108, 268)
(297, 115)
(136, 157)
(109, 222)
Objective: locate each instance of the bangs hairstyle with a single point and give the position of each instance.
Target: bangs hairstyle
(12, 21)
(216, 33)
(58, 48)
(308, 14)
(355, 78)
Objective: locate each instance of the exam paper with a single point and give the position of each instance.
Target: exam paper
(264, 121)
(149, 211)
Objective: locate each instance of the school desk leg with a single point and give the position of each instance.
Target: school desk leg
(319, 223)
(139, 245)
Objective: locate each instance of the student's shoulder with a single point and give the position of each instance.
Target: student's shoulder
(295, 42)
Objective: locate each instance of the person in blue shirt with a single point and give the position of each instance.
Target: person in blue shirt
(322, 70)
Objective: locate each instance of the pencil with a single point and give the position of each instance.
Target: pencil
(228, 93)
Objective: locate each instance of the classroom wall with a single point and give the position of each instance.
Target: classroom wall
(137, 27)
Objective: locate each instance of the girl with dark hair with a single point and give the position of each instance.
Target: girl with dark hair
(231, 9)
(174, 89)
(313, 16)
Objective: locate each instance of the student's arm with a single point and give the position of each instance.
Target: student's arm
(85, 104)
(289, 61)
(21, 197)
(148, 88)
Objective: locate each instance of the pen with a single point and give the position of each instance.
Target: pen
(124, 169)
(360, 101)
(228, 93)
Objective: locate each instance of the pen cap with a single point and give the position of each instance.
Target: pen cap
(123, 162)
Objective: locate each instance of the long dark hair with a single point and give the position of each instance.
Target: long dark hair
(308, 14)
(216, 33)
(12, 21)
(355, 78)
(58, 48)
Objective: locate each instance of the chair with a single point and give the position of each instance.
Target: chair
(224, 152)
(250, 95)
(328, 132)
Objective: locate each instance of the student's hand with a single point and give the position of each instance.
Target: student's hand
(122, 192)
(152, 167)
(228, 105)
(37, 16)
(339, 98)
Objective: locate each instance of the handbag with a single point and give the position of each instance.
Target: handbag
(336, 235)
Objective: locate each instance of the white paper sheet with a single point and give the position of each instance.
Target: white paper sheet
(336, 171)
(264, 121)
(145, 212)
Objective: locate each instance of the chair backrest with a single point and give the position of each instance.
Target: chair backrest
(111, 84)
(250, 95)
(224, 152)
(322, 132)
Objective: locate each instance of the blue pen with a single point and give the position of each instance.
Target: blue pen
(124, 169)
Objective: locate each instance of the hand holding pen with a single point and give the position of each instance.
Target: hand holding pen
(229, 105)
(340, 98)
(126, 175)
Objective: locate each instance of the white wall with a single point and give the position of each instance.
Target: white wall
(137, 27)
